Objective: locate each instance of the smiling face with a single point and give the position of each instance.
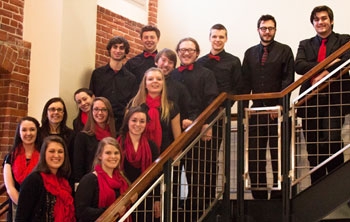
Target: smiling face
(28, 132)
(217, 38)
(150, 41)
(154, 83)
(322, 24)
(165, 64)
(54, 156)
(55, 113)
(100, 113)
(187, 53)
(118, 51)
(110, 157)
(267, 31)
(137, 123)
(83, 101)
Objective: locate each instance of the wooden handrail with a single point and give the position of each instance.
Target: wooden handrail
(298, 82)
(145, 179)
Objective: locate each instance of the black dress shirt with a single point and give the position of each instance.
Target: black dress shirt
(227, 71)
(274, 76)
(201, 84)
(139, 64)
(118, 87)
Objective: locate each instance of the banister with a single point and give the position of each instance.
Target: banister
(157, 166)
(298, 82)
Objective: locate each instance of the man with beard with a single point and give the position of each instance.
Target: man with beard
(140, 63)
(113, 80)
(267, 67)
(322, 128)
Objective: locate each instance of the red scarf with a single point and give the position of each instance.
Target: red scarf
(84, 117)
(64, 206)
(140, 159)
(20, 168)
(153, 127)
(107, 186)
(101, 133)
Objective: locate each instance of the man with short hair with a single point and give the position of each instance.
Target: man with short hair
(267, 67)
(226, 67)
(328, 116)
(113, 80)
(140, 63)
(166, 60)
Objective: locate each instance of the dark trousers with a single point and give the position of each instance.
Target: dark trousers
(262, 130)
(322, 131)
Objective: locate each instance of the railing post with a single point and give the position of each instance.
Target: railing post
(226, 199)
(167, 194)
(286, 132)
(240, 162)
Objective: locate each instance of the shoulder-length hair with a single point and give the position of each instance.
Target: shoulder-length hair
(18, 139)
(141, 95)
(42, 167)
(85, 90)
(45, 124)
(90, 125)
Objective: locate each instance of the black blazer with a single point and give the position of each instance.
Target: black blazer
(307, 54)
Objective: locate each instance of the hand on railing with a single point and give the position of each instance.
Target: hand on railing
(157, 209)
(207, 135)
(186, 123)
(319, 77)
(274, 113)
(332, 63)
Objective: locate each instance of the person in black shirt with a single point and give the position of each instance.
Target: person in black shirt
(226, 67)
(267, 67)
(328, 116)
(113, 81)
(140, 63)
(177, 92)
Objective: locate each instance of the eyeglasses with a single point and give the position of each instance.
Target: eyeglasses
(53, 109)
(190, 51)
(103, 110)
(264, 29)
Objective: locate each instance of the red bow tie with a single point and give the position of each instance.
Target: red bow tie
(217, 58)
(189, 67)
(147, 54)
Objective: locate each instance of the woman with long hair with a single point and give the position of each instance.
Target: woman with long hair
(21, 160)
(100, 124)
(100, 188)
(45, 194)
(53, 122)
(83, 98)
(164, 125)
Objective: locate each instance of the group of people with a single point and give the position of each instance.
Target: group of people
(131, 113)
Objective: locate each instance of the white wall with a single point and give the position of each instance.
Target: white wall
(128, 8)
(63, 37)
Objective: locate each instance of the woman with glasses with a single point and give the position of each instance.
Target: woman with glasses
(83, 98)
(100, 124)
(164, 125)
(22, 158)
(53, 122)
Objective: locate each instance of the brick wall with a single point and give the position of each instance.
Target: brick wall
(110, 24)
(14, 73)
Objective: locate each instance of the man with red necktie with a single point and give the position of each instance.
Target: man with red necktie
(140, 63)
(113, 81)
(267, 67)
(226, 67)
(322, 128)
(202, 87)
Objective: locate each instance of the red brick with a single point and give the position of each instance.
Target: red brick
(21, 70)
(19, 32)
(22, 62)
(18, 18)
(18, 3)
(6, 13)
(11, 8)
(23, 106)
(8, 28)
(19, 77)
(3, 35)
(5, 20)
(14, 23)
(27, 45)
(152, 9)
(107, 17)
(106, 29)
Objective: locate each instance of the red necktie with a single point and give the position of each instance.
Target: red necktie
(147, 54)
(322, 51)
(189, 67)
(264, 56)
(217, 58)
